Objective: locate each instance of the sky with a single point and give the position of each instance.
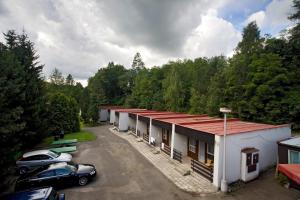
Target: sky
(80, 36)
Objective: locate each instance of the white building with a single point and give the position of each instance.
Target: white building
(199, 140)
(104, 113)
(143, 123)
(121, 118)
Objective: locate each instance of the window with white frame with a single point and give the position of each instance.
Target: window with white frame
(192, 145)
(294, 157)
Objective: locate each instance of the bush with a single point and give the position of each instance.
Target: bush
(62, 114)
(282, 179)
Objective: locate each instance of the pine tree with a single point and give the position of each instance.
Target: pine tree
(137, 63)
(12, 93)
(70, 80)
(56, 77)
(24, 51)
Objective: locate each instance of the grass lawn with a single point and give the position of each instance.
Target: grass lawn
(81, 136)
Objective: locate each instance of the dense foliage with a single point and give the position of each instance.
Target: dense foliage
(260, 82)
(62, 114)
(21, 102)
(31, 108)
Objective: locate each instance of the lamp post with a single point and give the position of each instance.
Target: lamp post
(224, 186)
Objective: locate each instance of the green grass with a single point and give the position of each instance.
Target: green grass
(81, 136)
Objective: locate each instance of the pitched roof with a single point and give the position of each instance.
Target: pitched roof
(234, 126)
(129, 110)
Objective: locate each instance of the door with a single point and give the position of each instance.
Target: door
(45, 160)
(193, 148)
(166, 137)
(64, 177)
(46, 178)
(148, 129)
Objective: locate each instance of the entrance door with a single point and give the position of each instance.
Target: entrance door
(166, 136)
(193, 148)
(148, 129)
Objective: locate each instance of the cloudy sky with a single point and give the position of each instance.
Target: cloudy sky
(80, 36)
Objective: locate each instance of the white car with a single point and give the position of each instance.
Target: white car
(34, 159)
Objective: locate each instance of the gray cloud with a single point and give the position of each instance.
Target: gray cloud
(162, 25)
(80, 36)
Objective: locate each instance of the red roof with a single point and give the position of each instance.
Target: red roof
(291, 170)
(143, 111)
(184, 119)
(129, 110)
(111, 107)
(153, 114)
(172, 116)
(234, 126)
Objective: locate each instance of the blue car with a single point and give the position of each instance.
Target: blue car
(46, 193)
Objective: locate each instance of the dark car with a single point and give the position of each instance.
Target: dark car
(47, 193)
(59, 175)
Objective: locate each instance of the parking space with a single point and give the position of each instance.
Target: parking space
(123, 173)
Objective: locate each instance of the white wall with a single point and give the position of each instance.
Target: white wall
(131, 122)
(103, 115)
(265, 141)
(156, 133)
(142, 127)
(112, 116)
(180, 143)
(123, 121)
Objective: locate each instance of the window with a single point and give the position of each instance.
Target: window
(46, 174)
(192, 145)
(54, 154)
(32, 158)
(45, 157)
(29, 158)
(61, 172)
(294, 157)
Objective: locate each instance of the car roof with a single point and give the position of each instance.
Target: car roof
(57, 165)
(33, 194)
(37, 152)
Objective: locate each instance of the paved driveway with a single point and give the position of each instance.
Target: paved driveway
(123, 173)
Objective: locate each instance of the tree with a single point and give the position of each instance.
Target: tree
(137, 63)
(62, 114)
(22, 93)
(12, 93)
(56, 77)
(70, 80)
(174, 91)
(34, 89)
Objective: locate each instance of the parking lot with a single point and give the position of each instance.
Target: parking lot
(123, 173)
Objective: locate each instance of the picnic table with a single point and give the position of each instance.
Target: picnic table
(65, 142)
(69, 149)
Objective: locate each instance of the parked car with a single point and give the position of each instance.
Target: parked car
(34, 159)
(59, 175)
(47, 193)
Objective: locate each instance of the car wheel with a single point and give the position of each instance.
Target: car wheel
(83, 181)
(23, 170)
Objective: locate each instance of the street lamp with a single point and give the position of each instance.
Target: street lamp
(224, 186)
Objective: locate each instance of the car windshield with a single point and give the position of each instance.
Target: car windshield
(54, 154)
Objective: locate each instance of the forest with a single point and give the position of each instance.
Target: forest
(260, 83)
